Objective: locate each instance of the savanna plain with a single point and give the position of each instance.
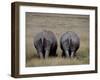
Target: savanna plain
(58, 24)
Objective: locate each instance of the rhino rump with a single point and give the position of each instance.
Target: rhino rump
(45, 41)
(69, 42)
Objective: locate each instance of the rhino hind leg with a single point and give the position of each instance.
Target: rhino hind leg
(63, 54)
(46, 54)
(67, 53)
(53, 52)
(40, 55)
(72, 54)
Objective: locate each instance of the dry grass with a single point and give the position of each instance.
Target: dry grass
(58, 24)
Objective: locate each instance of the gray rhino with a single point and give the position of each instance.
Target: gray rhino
(46, 44)
(69, 43)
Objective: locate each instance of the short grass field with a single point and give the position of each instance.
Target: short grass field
(58, 24)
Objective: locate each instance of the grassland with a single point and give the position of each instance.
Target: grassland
(58, 24)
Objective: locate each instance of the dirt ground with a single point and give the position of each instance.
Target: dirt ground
(58, 24)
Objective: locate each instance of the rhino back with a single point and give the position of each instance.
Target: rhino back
(48, 35)
(70, 39)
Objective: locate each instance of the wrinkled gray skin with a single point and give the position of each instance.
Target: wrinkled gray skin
(46, 44)
(69, 43)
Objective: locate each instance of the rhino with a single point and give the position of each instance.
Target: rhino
(46, 44)
(69, 43)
